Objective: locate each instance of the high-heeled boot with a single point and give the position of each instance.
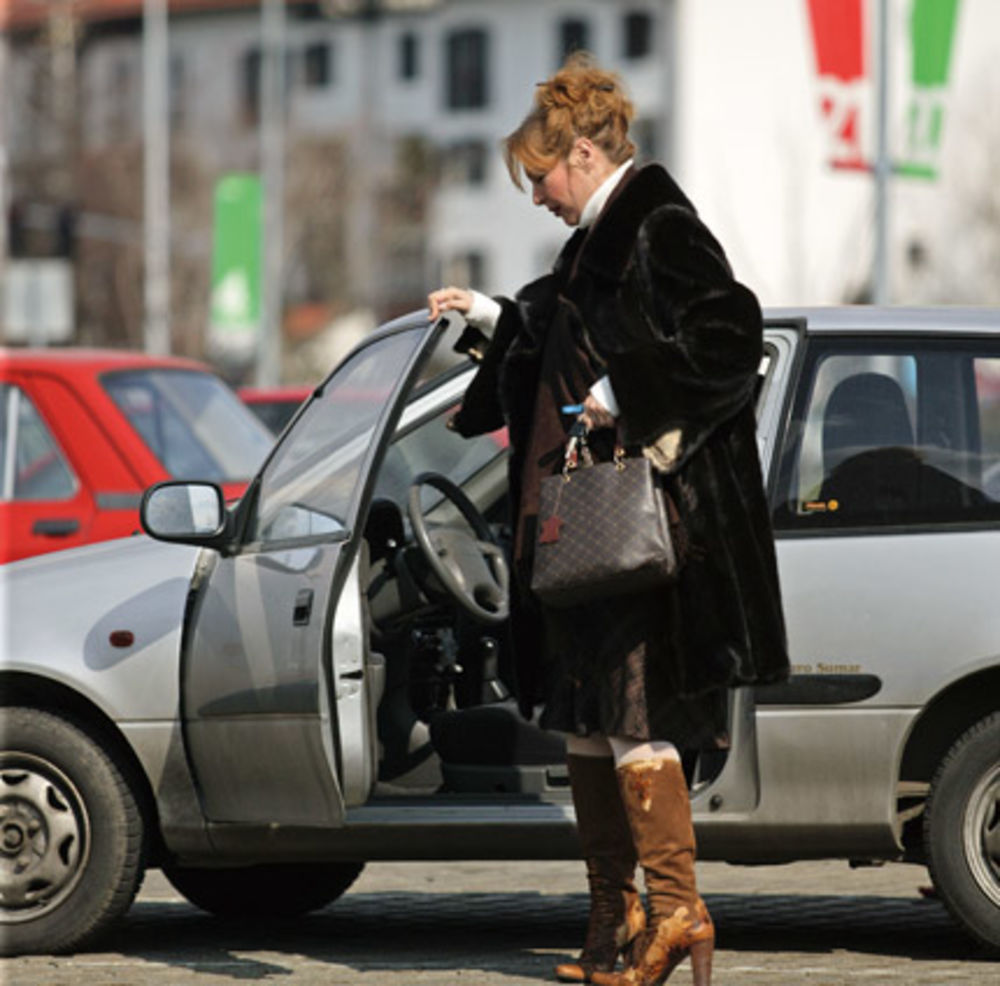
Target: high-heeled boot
(656, 801)
(616, 912)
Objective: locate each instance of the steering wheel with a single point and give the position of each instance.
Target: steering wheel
(472, 569)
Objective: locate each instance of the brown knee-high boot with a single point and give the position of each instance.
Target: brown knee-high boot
(616, 912)
(656, 800)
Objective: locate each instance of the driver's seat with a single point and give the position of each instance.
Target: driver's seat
(492, 748)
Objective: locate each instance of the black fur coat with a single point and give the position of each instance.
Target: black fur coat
(653, 295)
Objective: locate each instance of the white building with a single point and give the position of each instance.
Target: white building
(725, 92)
(751, 150)
(457, 74)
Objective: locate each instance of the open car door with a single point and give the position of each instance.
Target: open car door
(277, 682)
(727, 783)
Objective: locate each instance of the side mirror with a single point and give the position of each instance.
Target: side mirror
(189, 512)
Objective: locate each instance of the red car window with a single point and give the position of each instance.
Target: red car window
(32, 467)
(192, 422)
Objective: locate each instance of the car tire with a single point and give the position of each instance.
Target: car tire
(73, 841)
(962, 831)
(269, 891)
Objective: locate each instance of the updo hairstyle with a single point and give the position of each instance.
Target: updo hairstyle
(580, 100)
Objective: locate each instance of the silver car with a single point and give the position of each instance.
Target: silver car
(260, 699)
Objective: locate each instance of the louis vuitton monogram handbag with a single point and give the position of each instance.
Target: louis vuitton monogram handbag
(604, 529)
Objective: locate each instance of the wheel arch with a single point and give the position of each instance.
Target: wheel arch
(936, 730)
(19, 688)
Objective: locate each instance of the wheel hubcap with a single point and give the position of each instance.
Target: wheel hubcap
(44, 836)
(981, 834)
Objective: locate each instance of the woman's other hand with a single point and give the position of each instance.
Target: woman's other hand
(596, 415)
(449, 299)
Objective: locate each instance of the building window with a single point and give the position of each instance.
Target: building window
(468, 268)
(40, 229)
(574, 35)
(177, 91)
(465, 163)
(317, 65)
(645, 133)
(467, 62)
(250, 68)
(122, 96)
(251, 79)
(409, 55)
(638, 27)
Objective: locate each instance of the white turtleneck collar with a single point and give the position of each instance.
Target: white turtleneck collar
(601, 195)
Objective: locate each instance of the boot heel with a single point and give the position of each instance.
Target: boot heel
(701, 962)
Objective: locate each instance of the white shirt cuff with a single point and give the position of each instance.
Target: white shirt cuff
(484, 313)
(603, 393)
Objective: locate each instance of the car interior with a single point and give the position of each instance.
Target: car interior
(438, 539)
(448, 719)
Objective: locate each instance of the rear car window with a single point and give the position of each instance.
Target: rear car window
(192, 422)
(893, 432)
(32, 467)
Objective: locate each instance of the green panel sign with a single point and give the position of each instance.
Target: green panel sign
(932, 33)
(932, 27)
(235, 307)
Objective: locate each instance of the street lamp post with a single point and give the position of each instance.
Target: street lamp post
(361, 215)
(368, 135)
(156, 177)
(883, 166)
(3, 171)
(272, 167)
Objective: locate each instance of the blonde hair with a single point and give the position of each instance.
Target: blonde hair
(580, 100)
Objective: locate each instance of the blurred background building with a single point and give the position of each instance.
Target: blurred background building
(391, 180)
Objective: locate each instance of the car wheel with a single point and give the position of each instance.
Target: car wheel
(277, 890)
(71, 835)
(962, 831)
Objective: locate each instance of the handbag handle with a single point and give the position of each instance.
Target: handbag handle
(577, 448)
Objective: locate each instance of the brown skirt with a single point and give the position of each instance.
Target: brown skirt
(606, 674)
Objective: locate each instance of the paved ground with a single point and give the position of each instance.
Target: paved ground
(820, 924)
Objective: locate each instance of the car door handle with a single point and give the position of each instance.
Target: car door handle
(55, 527)
(303, 607)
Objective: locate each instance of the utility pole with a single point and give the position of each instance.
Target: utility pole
(272, 166)
(365, 166)
(156, 177)
(4, 181)
(883, 165)
(668, 86)
(365, 143)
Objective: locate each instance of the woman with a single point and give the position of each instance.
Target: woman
(641, 323)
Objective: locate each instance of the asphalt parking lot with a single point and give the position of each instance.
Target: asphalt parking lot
(507, 924)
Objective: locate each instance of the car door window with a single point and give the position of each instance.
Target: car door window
(32, 467)
(309, 485)
(431, 446)
(428, 444)
(892, 434)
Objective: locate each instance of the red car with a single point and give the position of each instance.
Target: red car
(84, 432)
